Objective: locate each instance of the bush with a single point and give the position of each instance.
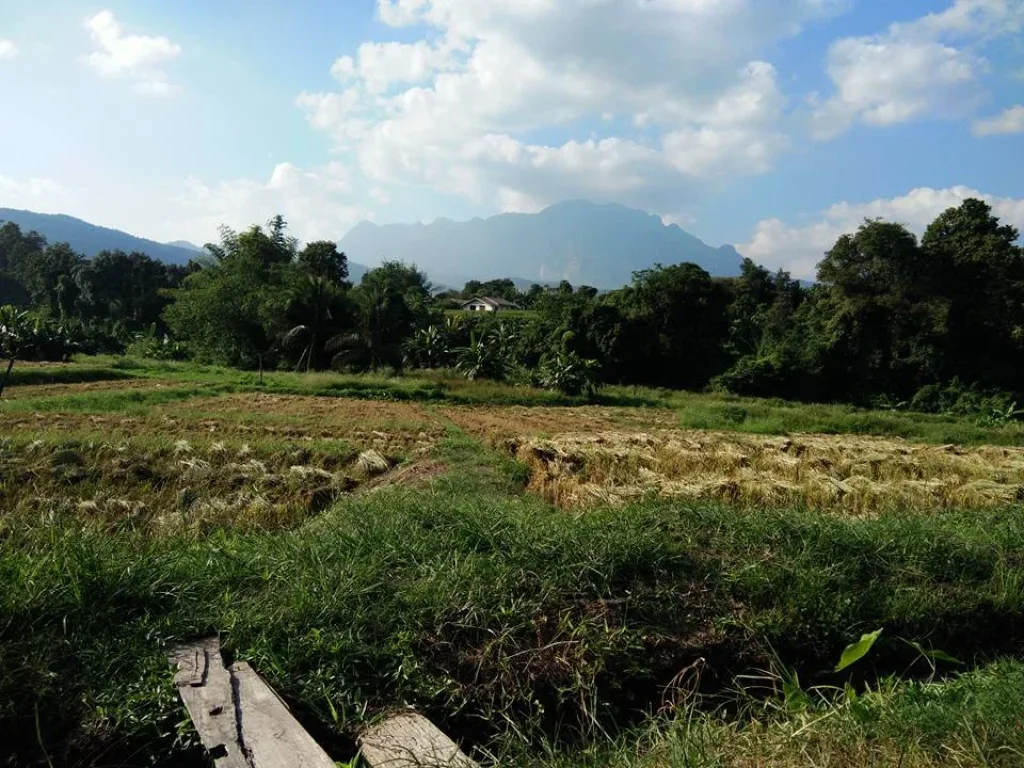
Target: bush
(150, 345)
(753, 377)
(959, 399)
(569, 374)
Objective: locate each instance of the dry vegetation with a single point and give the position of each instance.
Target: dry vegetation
(497, 423)
(860, 475)
(248, 461)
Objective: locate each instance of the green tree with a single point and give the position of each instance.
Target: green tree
(389, 304)
(978, 269)
(880, 313)
(321, 309)
(49, 277)
(124, 287)
(234, 311)
(680, 325)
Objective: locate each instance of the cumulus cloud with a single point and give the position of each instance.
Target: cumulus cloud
(928, 67)
(138, 58)
(8, 49)
(798, 249)
(1009, 121)
(316, 203)
(517, 103)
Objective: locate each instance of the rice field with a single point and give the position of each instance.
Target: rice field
(834, 473)
(648, 581)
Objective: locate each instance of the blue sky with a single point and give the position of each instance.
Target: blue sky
(775, 126)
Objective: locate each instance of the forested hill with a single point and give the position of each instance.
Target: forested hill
(578, 241)
(89, 239)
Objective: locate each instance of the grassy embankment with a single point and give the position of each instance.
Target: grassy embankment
(660, 633)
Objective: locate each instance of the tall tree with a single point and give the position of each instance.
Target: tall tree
(684, 313)
(235, 311)
(979, 270)
(320, 309)
(880, 312)
(124, 287)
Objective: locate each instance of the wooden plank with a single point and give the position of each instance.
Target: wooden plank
(409, 740)
(240, 720)
(271, 735)
(206, 688)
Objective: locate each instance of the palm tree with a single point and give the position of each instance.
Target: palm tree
(321, 296)
(376, 341)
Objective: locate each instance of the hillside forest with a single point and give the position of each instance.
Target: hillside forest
(929, 324)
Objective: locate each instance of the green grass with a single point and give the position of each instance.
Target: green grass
(696, 410)
(488, 609)
(110, 401)
(971, 720)
(778, 417)
(706, 411)
(85, 371)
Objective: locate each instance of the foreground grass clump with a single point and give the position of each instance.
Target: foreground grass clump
(972, 721)
(504, 619)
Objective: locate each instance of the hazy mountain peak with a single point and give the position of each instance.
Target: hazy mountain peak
(599, 244)
(186, 245)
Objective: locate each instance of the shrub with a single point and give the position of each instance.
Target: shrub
(569, 374)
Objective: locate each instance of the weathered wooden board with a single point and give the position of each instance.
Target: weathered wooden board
(409, 740)
(240, 720)
(205, 687)
(271, 735)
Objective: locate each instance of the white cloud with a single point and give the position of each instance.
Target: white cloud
(8, 49)
(43, 195)
(1009, 121)
(928, 67)
(798, 249)
(317, 204)
(135, 57)
(516, 103)
(382, 65)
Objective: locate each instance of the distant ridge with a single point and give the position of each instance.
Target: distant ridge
(186, 245)
(579, 241)
(89, 239)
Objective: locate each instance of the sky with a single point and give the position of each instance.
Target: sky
(772, 125)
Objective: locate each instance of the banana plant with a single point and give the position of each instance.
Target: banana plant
(15, 332)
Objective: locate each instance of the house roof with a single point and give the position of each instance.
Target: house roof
(493, 302)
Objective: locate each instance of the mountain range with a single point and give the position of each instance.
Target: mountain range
(89, 239)
(584, 243)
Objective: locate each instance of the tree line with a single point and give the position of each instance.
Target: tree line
(933, 324)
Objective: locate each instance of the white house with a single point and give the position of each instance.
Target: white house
(488, 304)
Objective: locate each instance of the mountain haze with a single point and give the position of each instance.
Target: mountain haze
(89, 239)
(584, 243)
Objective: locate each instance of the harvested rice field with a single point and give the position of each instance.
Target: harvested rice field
(856, 475)
(650, 580)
